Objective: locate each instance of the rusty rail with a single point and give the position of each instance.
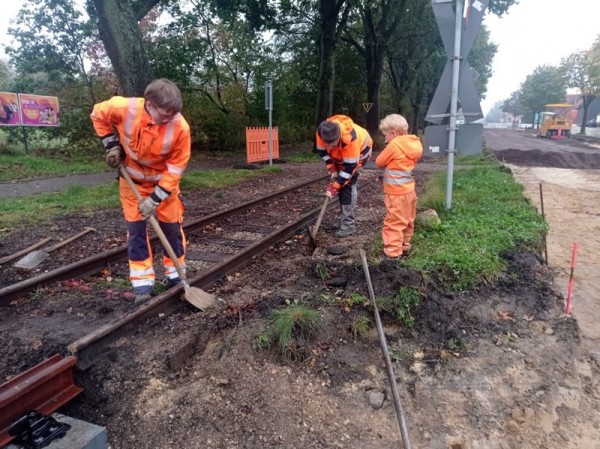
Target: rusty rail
(46, 387)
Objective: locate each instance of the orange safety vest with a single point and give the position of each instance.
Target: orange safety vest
(353, 151)
(156, 154)
(398, 159)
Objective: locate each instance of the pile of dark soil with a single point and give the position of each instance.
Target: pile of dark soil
(543, 158)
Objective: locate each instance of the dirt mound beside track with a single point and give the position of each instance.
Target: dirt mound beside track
(539, 158)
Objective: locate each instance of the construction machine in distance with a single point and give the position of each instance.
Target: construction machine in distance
(556, 121)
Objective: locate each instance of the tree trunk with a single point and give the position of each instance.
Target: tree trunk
(329, 28)
(118, 26)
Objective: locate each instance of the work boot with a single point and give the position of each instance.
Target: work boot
(406, 253)
(345, 232)
(142, 294)
(167, 282)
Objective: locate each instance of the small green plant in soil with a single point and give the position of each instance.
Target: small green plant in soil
(320, 270)
(401, 305)
(291, 322)
(262, 341)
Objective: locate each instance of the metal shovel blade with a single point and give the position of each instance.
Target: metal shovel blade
(198, 297)
(32, 260)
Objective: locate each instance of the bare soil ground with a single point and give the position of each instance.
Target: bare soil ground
(498, 368)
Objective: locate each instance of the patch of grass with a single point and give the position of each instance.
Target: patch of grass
(401, 305)
(15, 166)
(320, 270)
(489, 215)
(40, 208)
(356, 299)
(293, 321)
(214, 179)
(360, 326)
(305, 156)
(20, 211)
(262, 341)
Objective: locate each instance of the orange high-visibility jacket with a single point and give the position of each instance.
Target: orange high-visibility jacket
(398, 159)
(353, 151)
(156, 154)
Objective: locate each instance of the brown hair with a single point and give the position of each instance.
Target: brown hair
(394, 122)
(164, 94)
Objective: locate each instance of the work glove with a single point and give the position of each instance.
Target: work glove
(147, 207)
(114, 156)
(331, 191)
(334, 175)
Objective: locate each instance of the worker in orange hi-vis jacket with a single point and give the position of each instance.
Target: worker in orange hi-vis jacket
(398, 159)
(344, 147)
(151, 139)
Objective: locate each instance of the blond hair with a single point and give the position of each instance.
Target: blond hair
(164, 94)
(394, 122)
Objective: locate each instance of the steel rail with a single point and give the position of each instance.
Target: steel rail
(45, 388)
(96, 262)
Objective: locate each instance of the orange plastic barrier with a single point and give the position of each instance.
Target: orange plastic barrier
(257, 144)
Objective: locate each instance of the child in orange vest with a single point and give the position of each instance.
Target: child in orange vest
(397, 160)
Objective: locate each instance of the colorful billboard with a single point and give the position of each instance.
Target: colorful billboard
(39, 110)
(9, 109)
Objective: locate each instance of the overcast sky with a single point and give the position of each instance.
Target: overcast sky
(533, 33)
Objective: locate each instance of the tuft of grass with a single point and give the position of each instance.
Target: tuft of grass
(360, 326)
(291, 322)
(489, 215)
(262, 341)
(321, 271)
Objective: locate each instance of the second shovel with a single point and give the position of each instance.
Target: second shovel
(34, 258)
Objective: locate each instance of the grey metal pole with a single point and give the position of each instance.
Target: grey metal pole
(270, 108)
(402, 421)
(456, 58)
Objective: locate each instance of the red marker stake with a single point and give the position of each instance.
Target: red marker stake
(570, 289)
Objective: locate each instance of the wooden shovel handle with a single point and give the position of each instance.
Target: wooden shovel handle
(154, 222)
(69, 240)
(320, 218)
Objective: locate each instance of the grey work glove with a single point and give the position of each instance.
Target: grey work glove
(114, 156)
(147, 207)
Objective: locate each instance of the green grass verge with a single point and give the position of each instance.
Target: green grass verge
(489, 215)
(305, 156)
(36, 209)
(24, 166)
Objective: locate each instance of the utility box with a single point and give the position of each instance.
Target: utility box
(257, 144)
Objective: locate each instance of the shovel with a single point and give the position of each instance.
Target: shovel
(195, 296)
(34, 258)
(313, 232)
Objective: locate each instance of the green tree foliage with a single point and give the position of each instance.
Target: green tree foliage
(579, 71)
(545, 85)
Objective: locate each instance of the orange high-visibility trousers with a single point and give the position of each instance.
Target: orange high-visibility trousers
(399, 223)
(170, 216)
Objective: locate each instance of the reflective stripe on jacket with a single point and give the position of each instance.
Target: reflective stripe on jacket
(155, 154)
(399, 158)
(352, 152)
